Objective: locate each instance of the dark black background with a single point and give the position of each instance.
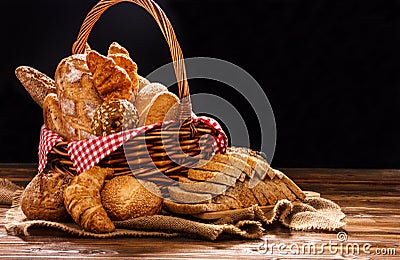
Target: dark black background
(329, 68)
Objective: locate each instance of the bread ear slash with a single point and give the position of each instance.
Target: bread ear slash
(83, 202)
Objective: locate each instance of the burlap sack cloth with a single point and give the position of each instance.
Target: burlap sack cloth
(314, 214)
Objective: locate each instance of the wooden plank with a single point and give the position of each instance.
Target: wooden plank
(370, 199)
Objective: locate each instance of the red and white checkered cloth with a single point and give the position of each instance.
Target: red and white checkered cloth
(85, 154)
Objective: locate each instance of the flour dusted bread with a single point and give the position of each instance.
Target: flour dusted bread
(78, 98)
(125, 197)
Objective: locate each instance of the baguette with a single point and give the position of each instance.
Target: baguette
(36, 83)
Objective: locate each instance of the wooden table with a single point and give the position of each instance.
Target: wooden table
(370, 199)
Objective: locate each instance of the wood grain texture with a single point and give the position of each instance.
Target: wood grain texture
(370, 199)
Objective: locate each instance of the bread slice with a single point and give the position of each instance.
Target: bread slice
(267, 191)
(179, 195)
(190, 209)
(274, 190)
(284, 189)
(242, 193)
(211, 176)
(258, 192)
(231, 202)
(201, 186)
(218, 167)
(293, 187)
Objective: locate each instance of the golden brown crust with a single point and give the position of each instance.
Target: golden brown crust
(52, 115)
(83, 202)
(115, 48)
(124, 197)
(78, 98)
(43, 197)
(146, 95)
(110, 80)
(163, 107)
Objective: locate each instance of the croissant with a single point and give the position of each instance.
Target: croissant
(83, 202)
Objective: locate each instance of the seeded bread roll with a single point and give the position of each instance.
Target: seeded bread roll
(124, 197)
(114, 116)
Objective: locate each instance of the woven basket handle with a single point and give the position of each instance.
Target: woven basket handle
(167, 30)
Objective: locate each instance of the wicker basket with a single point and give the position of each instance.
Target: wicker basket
(166, 149)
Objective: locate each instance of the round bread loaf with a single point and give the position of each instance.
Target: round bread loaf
(43, 197)
(114, 116)
(146, 94)
(124, 197)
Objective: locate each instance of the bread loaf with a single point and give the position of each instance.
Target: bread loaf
(43, 197)
(163, 107)
(78, 98)
(36, 83)
(146, 94)
(124, 197)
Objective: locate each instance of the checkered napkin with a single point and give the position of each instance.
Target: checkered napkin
(85, 154)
